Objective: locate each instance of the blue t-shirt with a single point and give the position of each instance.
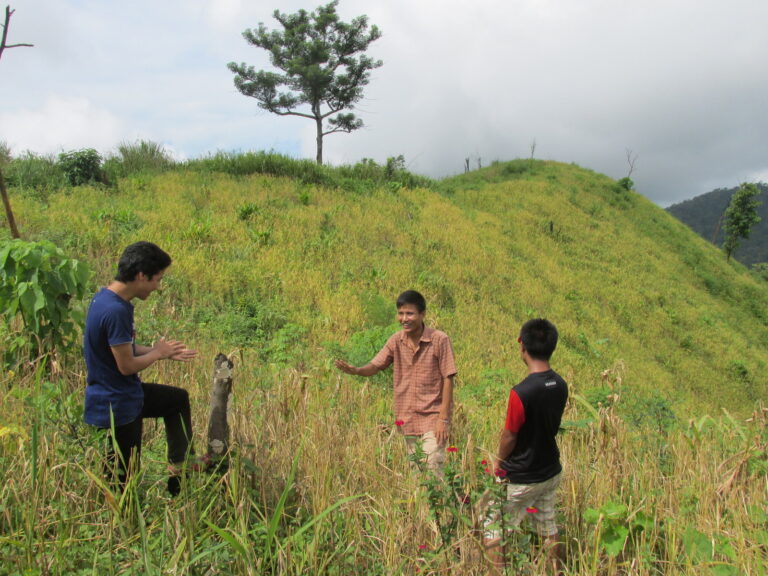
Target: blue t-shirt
(109, 323)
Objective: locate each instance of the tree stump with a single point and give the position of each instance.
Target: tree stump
(218, 426)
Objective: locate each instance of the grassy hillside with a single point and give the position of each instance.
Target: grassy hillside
(290, 272)
(657, 331)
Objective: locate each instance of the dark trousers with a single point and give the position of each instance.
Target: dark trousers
(160, 401)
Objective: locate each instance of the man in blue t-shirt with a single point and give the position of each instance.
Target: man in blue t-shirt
(116, 399)
(528, 459)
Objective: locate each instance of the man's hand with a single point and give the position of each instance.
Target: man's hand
(442, 431)
(171, 349)
(346, 367)
(185, 355)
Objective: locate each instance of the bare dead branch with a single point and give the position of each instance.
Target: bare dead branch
(4, 40)
(631, 159)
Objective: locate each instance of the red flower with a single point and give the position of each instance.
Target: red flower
(487, 470)
(531, 510)
(500, 473)
(422, 546)
(399, 422)
(484, 463)
(452, 449)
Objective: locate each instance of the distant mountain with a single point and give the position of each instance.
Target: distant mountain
(703, 214)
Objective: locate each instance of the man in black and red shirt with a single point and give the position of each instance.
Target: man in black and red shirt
(528, 458)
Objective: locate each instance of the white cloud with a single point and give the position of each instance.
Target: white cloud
(62, 123)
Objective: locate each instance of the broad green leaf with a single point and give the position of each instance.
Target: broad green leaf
(613, 539)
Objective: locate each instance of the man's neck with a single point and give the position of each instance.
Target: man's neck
(535, 366)
(415, 337)
(121, 289)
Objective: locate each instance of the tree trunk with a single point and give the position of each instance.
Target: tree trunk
(218, 427)
(319, 122)
(8, 211)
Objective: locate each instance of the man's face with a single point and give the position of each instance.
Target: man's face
(146, 285)
(411, 320)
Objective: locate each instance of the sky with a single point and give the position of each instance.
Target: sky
(680, 87)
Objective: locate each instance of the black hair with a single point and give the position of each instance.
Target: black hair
(141, 257)
(539, 336)
(414, 298)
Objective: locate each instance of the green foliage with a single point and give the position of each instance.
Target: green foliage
(615, 526)
(288, 345)
(323, 68)
(5, 154)
(41, 287)
(626, 184)
(81, 166)
(365, 344)
(247, 211)
(362, 177)
(705, 213)
(120, 222)
(740, 216)
(445, 495)
(710, 554)
(35, 175)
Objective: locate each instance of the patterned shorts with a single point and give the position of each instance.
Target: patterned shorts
(535, 501)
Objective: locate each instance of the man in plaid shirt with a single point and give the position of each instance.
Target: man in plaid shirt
(424, 368)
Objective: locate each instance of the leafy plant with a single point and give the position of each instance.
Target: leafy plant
(81, 166)
(445, 494)
(615, 525)
(41, 287)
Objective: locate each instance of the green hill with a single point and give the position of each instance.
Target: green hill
(704, 213)
(284, 266)
(295, 272)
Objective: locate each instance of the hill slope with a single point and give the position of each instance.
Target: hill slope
(285, 275)
(703, 214)
(294, 274)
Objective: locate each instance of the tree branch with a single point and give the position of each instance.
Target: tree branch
(4, 40)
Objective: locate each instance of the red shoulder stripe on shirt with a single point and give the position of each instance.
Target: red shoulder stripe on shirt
(515, 413)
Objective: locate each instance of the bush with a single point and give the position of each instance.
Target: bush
(626, 184)
(81, 166)
(37, 284)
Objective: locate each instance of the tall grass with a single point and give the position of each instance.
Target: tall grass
(319, 483)
(134, 158)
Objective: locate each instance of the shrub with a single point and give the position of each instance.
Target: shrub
(37, 284)
(81, 166)
(626, 184)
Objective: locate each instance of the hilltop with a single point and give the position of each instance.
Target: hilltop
(294, 272)
(704, 213)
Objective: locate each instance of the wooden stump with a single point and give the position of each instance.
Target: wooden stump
(218, 426)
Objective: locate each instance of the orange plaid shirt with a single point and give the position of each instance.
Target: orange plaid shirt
(418, 377)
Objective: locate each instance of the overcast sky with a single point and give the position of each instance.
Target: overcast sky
(681, 84)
